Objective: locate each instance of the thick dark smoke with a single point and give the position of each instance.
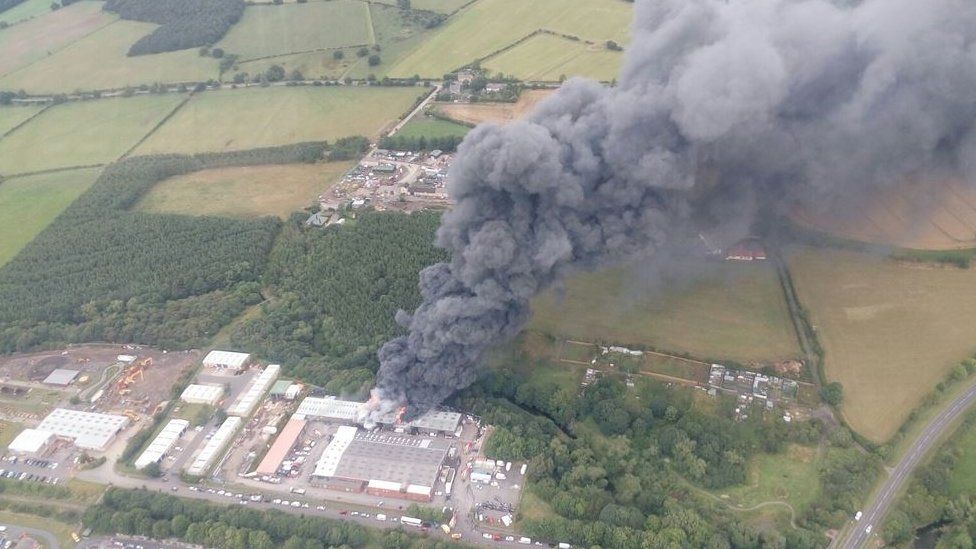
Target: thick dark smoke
(722, 106)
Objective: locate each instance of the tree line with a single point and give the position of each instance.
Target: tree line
(183, 23)
(446, 143)
(104, 272)
(336, 292)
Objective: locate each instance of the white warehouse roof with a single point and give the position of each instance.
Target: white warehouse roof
(87, 430)
(226, 359)
(329, 408)
(329, 462)
(163, 442)
(215, 446)
(246, 403)
(30, 441)
(202, 394)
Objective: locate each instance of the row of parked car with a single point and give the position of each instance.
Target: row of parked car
(42, 463)
(33, 477)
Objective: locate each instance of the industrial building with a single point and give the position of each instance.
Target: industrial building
(30, 441)
(383, 464)
(86, 430)
(262, 382)
(285, 389)
(226, 359)
(347, 411)
(215, 446)
(202, 394)
(61, 377)
(282, 445)
(162, 443)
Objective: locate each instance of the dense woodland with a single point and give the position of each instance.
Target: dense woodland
(626, 467)
(160, 516)
(336, 292)
(931, 502)
(183, 23)
(104, 272)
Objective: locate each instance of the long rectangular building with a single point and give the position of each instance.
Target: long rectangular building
(260, 385)
(385, 464)
(87, 430)
(282, 445)
(215, 446)
(348, 411)
(162, 443)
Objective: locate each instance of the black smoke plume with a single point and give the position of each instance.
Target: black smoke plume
(722, 105)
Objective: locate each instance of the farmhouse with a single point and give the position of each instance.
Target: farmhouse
(88, 430)
(226, 359)
(383, 464)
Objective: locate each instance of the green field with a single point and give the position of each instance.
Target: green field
(38, 38)
(99, 61)
(549, 58)
(10, 117)
(439, 6)
(244, 191)
(275, 30)
(428, 126)
(28, 204)
(312, 65)
(734, 311)
(261, 117)
(790, 476)
(8, 429)
(25, 10)
(891, 331)
(83, 133)
(963, 479)
(489, 25)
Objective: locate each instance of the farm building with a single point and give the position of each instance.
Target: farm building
(202, 394)
(30, 441)
(163, 442)
(282, 445)
(215, 446)
(259, 385)
(61, 377)
(87, 430)
(383, 464)
(226, 359)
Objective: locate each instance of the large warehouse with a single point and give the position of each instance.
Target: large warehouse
(226, 359)
(163, 442)
(30, 442)
(202, 394)
(87, 430)
(384, 464)
(348, 411)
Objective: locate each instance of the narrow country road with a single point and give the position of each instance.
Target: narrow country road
(874, 514)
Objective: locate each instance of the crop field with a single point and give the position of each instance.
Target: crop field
(548, 58)
(11, 117)
(428, 126)
(490, 25)
(791, 477)
(290, 28)
(732, 311)
(25, 10)
(25, 43)
(476, 113)
(28, 204)
(99, 61)
(244, 191)
(891, 331)
(82, 133)
(939, 215)
(261, 117)
(439, 6)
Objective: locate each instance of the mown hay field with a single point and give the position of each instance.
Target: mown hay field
(428, 126)
(83, 133)
(45, 34)
(99, 61)
(489, 25)
(732, 311)
(11, 117)
(548, 58)
(891, 330)
(28, 204)
(261, 117)
(269, 30)
(249, 191)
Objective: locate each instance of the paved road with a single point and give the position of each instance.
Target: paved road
(430, 97)
(874, 514)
